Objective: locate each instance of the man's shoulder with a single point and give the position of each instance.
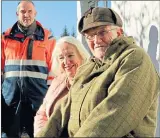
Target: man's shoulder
(133, 47)
(48, 33)
(41, 26)
(46, 30)
(134, 55)
(7, 31)
(137, 50)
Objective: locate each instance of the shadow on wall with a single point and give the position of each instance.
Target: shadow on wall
(153, 45)
(152, 51)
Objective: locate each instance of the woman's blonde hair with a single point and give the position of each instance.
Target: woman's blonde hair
(72, 40)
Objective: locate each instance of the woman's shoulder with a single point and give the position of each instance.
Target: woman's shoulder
(59, 78)
(58, 83)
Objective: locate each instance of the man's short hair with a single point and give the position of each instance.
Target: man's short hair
(24, 0)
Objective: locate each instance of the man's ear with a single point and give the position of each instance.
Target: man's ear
(119, 31)
(17, 13)
(35, 13)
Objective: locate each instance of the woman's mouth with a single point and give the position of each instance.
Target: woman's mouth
(98, 47)
(69, 67)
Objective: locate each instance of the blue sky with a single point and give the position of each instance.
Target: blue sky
(52, 15)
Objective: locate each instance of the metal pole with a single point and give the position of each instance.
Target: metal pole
(105, 3)
(92, 3)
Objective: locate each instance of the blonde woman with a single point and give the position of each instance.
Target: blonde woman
(68, 55)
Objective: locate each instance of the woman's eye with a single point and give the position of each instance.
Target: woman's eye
(61, 58)
(70, 56)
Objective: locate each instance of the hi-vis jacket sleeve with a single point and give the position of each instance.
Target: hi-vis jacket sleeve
(50, 49)
(2, 53)
(130, 96)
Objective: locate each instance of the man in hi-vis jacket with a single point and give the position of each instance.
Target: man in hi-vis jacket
(26, 66)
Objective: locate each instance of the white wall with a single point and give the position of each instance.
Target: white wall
(142, 21)
(82, 7)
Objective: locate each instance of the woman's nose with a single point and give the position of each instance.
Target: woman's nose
(66, 61)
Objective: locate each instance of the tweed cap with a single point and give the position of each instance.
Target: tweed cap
(98, 16)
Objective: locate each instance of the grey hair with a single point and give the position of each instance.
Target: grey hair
(24, 0)
(72, 40)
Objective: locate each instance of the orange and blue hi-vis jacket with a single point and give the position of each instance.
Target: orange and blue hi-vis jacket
(26, 65)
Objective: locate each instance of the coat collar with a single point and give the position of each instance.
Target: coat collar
(117, 47)
(15, 32)
(95, 66)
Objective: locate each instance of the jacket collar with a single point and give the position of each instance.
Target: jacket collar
(95, 67)
(113, 52)
(16, 33)
(117, 47)
(27, 30)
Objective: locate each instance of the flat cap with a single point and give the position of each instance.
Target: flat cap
(98, 16)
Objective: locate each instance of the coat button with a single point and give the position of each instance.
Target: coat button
(81, 86)
(120, 44)
(109, 58)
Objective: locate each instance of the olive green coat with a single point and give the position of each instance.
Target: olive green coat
(113, 98)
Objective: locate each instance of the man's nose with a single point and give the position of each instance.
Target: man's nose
(97, 39)
(26, 14)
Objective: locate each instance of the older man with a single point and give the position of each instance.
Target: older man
(26, 64)
(115, 93)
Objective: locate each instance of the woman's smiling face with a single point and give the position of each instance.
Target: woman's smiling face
(69, 58)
